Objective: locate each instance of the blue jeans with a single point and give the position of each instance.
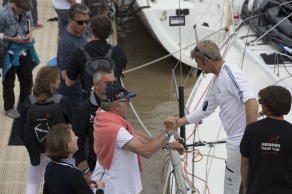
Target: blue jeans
(24, 74)
(63, 18)
(34, 12)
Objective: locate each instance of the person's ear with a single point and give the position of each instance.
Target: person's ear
(52, 83)
(116, 106)
(207, 60)
(95, 84)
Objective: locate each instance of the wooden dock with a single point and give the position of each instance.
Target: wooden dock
(13, 159)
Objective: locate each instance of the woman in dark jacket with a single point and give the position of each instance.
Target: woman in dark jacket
(61, 175)
(40, 112)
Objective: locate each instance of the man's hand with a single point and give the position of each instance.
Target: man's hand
(100, 183)
(93, 185)
(87, 176)
(170, 123)
(176, 146)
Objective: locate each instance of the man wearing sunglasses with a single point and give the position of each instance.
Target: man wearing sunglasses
(101, 27)
(84, 117)
(72, 37)
(62, 7)
(230, 91)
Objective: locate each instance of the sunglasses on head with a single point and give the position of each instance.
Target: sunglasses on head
(81, 22)
(197, 50)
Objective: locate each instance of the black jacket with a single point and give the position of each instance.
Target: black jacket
(83, 128)
(96, 48)
(63, 178)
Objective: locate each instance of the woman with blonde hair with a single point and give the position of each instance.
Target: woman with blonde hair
(40, 112)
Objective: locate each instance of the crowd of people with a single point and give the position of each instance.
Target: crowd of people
(74, 124)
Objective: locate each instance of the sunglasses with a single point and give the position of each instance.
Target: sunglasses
(81, 22)
(124, 100)
(197, 50)
(107, 83)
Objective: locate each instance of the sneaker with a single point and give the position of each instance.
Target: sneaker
(12, 113)
(38, 26)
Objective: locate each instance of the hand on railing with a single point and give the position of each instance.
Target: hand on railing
(176, 146)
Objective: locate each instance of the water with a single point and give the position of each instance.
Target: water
(156, 97)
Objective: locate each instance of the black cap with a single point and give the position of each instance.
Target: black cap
(116, 92)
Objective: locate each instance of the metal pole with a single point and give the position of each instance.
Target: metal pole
(181, 112)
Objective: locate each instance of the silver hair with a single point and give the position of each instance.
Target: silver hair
(106, 106)
(78, 9)
(207, 49)
(99, 72)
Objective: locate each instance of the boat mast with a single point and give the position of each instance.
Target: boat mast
(181, 102)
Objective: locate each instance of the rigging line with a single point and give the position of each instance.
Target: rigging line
(180, 51)
(213, 154)
(285, 3)
(205, 11)
(245, 46)
(171, 88)
(227, 44)
(282, 54)
(222, 15)
(167, 180)
(163, 168)
(170, 54)
(206, 171)
(271, 29)
(220, 22)
(176, 86)
(216, 157)
(189, 73)
(137, 116)
(193, 166)
(192, 44)
(287, 70)
(282, 79)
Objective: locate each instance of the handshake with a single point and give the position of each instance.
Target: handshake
(171, 124)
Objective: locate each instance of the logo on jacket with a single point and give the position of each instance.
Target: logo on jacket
(91, 118)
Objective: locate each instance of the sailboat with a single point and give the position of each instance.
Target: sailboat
(178, 25)
(260, 45)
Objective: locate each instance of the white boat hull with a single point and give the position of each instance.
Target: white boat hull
(210, 169)
(176, 32)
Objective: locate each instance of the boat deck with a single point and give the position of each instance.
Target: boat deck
(13, 159)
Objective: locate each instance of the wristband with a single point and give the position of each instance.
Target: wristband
(84, 172)
(166, 135)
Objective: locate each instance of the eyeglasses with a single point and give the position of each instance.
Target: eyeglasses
(124, 100)
(81, 22)
(198, 51)
(107, 83)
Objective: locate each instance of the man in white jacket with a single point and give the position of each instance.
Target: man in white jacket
(238, 107)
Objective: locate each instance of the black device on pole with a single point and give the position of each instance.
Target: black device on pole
(182, 112)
